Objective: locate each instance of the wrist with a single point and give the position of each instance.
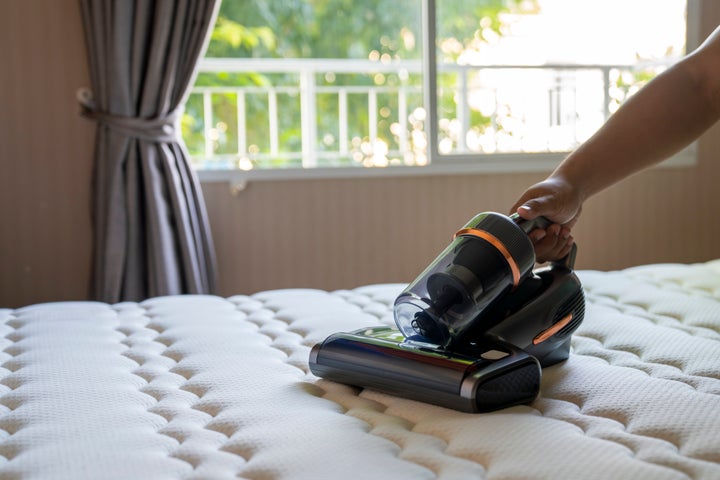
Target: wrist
(572, 184)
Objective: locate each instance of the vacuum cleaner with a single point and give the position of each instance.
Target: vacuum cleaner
(474, 329)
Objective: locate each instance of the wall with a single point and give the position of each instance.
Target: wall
(315, 233)
(343, 233)
(45, 154)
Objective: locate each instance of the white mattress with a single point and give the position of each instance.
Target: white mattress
(213, 388)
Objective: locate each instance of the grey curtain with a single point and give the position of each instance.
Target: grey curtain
(152, 235)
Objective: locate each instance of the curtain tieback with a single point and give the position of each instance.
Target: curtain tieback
(157, 129)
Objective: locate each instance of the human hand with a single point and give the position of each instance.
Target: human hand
(556, 200)
(552, 243)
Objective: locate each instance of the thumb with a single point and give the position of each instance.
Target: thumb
(533, 208)
(541, 206)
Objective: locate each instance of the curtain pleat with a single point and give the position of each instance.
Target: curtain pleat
(152, 234)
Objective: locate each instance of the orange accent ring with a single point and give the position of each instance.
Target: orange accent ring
(556, 327)
(495, 242)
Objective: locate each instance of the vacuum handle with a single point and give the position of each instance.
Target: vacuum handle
(569, 259)
(530, 225)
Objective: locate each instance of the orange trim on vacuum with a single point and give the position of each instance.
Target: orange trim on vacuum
(557, 326)
(495, 242)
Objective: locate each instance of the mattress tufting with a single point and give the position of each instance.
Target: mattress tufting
(202, 387)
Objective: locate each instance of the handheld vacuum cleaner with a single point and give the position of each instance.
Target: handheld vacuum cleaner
(473, 330)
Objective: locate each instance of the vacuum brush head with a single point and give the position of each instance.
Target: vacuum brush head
(380, 358)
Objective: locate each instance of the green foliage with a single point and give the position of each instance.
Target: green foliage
(316, 29)
(473, 23)
(355, 29)
(235, 36)
(461, 19)
(192, 127)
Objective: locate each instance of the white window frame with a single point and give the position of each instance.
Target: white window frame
(443, 164)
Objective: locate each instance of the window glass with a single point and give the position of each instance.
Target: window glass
(307, 84)
(523, 76)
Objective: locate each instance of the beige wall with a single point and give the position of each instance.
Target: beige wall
(316, 233)
(45, 154)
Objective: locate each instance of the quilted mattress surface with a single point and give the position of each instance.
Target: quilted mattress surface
(191, 387)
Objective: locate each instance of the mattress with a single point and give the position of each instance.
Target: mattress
(203, 387)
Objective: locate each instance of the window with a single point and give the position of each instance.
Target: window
(418, 86)
(540, 77)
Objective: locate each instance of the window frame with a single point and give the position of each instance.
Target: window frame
(443, 164)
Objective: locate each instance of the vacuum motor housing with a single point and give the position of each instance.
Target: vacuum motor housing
(488, 257)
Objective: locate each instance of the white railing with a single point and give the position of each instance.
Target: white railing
(570, 99)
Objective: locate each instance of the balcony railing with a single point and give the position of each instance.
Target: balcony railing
(315, 112)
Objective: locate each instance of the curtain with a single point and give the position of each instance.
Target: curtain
(151, 232)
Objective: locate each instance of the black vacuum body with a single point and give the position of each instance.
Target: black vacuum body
(473, 329)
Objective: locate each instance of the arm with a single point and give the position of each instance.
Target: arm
(662, 118)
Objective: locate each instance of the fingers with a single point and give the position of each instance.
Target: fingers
(560, 202)
(537, 235)
(552, 243)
